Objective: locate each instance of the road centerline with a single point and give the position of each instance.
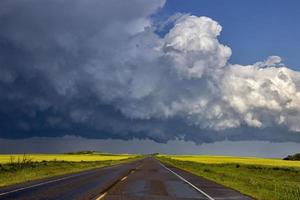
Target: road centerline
(105, 192)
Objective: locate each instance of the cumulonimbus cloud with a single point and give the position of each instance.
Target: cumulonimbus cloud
(78, 66)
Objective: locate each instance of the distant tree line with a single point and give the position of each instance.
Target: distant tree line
(81, 152)
(293, 157)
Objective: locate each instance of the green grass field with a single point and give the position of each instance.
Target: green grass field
(263, 179)
(18, 168)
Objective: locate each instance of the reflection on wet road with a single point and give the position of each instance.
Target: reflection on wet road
(151, 180)
(144, 179)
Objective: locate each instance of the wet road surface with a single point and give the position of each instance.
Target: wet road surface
(84, 185)
(145, 179)
(152, 180)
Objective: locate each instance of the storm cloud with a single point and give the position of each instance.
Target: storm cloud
(99, 69)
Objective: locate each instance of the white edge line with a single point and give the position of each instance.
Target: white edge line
(52, 181)
(189, 183)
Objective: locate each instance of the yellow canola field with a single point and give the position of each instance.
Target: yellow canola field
(7, 158)
(239, 160)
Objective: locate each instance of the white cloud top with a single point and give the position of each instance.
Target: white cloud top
(186, 74)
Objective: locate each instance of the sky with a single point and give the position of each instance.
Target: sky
(253, 29)
(216, 73)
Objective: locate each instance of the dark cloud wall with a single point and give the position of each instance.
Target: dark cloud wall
(44, 48)
(98, 69)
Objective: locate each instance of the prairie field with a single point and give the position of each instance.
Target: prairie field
(260, 178)
(18, 168)
(8, 158)
(236, 160)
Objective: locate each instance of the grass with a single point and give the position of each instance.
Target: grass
(22, 168)
(206, 159)
(263, 179)
(8, 158)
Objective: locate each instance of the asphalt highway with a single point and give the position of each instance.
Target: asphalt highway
(145, 179)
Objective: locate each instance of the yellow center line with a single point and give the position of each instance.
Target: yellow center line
(102, 196)
(124, 178)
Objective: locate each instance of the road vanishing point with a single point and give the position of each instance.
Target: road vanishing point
(146, 179)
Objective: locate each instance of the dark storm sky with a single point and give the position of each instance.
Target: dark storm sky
(154, 70)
